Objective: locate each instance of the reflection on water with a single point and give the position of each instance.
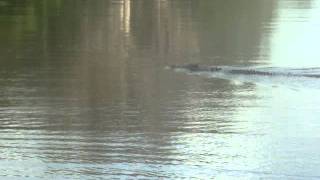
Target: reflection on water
(84, 92)
(294, 42)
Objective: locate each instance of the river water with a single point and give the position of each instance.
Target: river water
(84, 92)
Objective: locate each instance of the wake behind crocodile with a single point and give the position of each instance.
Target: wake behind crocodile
(297, 77)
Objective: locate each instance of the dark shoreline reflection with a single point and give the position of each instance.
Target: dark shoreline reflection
(84, 92)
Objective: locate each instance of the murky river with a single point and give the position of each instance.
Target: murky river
(84, 92)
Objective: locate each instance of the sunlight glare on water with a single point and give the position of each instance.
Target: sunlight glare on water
(84, 92)
(294, 42)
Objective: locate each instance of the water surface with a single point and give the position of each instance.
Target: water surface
(84, 93)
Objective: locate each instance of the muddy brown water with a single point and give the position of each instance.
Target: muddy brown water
(84, 93)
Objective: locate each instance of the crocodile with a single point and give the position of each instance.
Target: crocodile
(194, 68)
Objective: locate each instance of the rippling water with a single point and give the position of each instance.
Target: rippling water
(84, 93)
(299, 78)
